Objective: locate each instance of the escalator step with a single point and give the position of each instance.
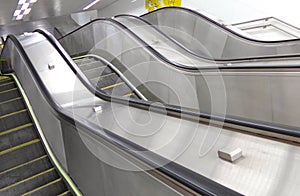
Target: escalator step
(14, 148)
(24, 171)
(119, 90)
(83, 61)
(17, 138)
(12, 105)
(66, 193)
(131, 95)
(104, 78)
(52, 188)
(15, 119)
(93, 65)
(103, 70)
(5, 80)
(30, 183)
(24, 164)
(21, 156)
(108, 81)
(96, 79)
(7, 86)
(9, 94)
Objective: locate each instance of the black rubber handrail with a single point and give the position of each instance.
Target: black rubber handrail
(162, 33)
(212, 60)
(220, 25)
(193, 180)
(221, 67)
(171, 110)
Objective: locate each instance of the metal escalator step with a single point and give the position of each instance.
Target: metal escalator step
(14, 148)
(104, 82)
(92, 66)
(5, 80)
(9, 94)
(17, 138)
(96, 79)
(52, 188)
(15, 129)
(24, 164)
(98, 72)
(131, 95)
(119, 90)
(21, 156)
(30, 183)
(5, 172)
(7, 86)
(11, 106)
(112, 86)
(66, 193)
(84, 60)
(24, 172)
(14, 119)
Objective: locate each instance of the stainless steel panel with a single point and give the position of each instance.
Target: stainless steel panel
(237, 93)
(269, 167)
(196, 33)
(79, 153)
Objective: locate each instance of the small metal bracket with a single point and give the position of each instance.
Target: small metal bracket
(98, 109)
(230, 154)
(51, 66)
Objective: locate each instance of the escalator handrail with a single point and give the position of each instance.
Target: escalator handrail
(164, 35)
(193, 180)
(222, 26)
(221, 67)
(171, 110)
(212, 60)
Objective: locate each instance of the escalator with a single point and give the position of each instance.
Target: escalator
(209, 39)
(90, 136)
(168, 47)
(103, 77)
(112, 78)
(171, 81)
(26, 167)
(68, 107)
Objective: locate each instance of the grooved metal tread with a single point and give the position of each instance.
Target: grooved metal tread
(25, 168)
(104, 78)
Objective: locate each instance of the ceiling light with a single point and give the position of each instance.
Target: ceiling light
(27, 11)
(19, 17)
(91, 4)
(17, 12)
(21, 2)
(32, 1)
(25, 6)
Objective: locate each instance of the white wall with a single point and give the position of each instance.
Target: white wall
(136, 7)
(233, 11)
(230, 11)
(82, 18)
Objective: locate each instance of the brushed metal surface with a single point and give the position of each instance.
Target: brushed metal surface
(202, 37)
(268, 167)
(255, 94)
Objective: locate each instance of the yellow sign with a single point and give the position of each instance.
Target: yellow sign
(172, 2)
(156, 4)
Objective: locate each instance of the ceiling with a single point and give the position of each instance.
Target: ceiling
(47, 8)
